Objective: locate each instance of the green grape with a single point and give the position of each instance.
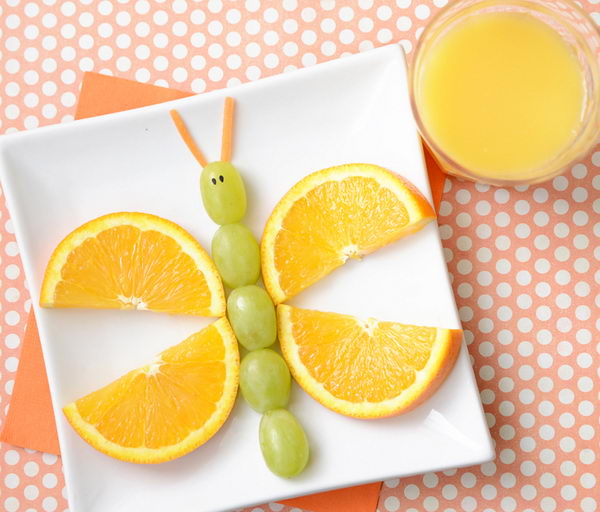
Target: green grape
(283, 443)
(265, 380)
(223, 193)
(236, 254)
(252, 316)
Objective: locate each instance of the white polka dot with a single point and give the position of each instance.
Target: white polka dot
(449, 491)
(309, 59)
(489, 492)
(49, 504)
(522, 230)
(180, 74)
(586, 432)
(506, 408)
(11, 480)
(328, 48)
(85, 64)
(49, 459)
(560, 183)
(587, 456)
(11, 504)
(346, 36)
(12, 318)
(403, 23)
(123, 41)
(290, 49)
(526, 372)
(526, 396)
(198, 85)
(12, 111)
(253, 73)
(547, 480)
(526, 420)
(483, 231)
(547, 456)
(412, 492)
(12, 341)
(179, 29)
(392, 503)
(568, 492)
(502, 243)
(464, 266)
(11, 363)
(564, 324)
(422, 11)
(587, 481)
(392, 483)
(581, 242)
(430, 503)
(31, 468)
(586, 408)
(541, 242)
(86, 19)
(31, 492)
(507, 432)
(544, 360)
(142, 75)
(384, 36)
(31, 54)
(12, 66)
(271, 38)
(468, 480)
(49, 481)
(485, 325)
(502, 219)
(579, 194)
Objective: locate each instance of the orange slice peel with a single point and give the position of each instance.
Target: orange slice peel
(168, 407)
(133, 261)
(334, 214)
(365, 368)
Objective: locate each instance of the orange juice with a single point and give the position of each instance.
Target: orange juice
(501, 94)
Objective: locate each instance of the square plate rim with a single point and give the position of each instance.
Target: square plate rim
(6, 141)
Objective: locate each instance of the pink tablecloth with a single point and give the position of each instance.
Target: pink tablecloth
(523, 261)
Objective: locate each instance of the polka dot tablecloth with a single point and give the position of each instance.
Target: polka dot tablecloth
(524, 261)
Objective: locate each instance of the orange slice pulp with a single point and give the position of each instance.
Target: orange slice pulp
(332, 215)
(167, 408)
(133, 261)
(365, 368)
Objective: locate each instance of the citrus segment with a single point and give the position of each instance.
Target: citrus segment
(133, 261)
(365, 368)
(167, 408)
(332, 215)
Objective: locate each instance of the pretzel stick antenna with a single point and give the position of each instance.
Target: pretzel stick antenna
(187, 138)
(226, 138)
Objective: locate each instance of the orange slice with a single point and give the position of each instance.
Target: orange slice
(133, 261)
(167, 408)
(332, 215)
(365, 369)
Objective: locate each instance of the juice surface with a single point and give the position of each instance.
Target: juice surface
(501, 94)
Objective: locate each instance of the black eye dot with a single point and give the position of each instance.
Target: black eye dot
(221, 179)
(214, 181)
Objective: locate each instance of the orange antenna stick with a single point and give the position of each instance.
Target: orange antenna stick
(187, 138)
(227, 130)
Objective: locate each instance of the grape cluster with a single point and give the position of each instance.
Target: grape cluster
(264, 376)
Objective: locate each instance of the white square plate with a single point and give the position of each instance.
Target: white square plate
(350, 110)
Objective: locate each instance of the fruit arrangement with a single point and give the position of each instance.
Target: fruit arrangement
(363, 368)
(264, 375)
(179, 400)
(358, 367)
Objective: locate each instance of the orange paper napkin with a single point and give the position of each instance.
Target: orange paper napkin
(30, 420)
